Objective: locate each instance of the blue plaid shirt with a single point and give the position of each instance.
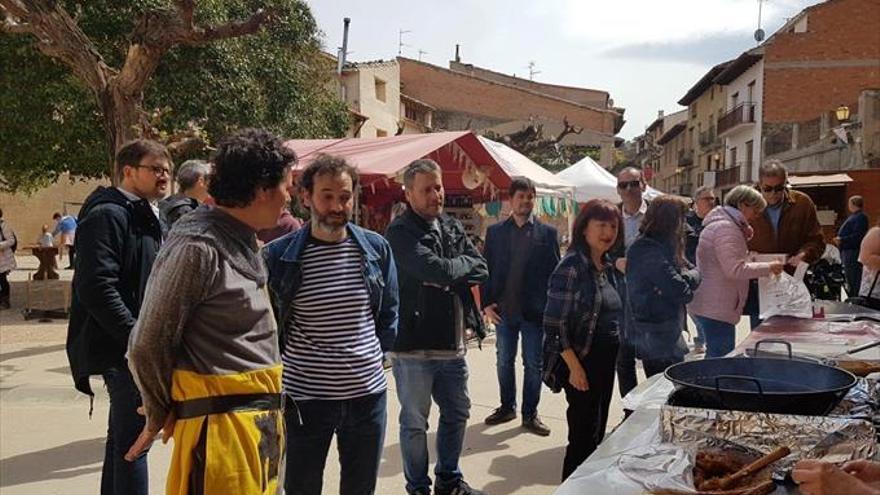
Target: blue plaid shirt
(570, 293)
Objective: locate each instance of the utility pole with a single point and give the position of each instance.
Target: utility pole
(532, 71)
(400, 43)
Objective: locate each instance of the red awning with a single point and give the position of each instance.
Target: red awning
(380, 159)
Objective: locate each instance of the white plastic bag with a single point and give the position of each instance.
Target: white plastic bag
(784, 295)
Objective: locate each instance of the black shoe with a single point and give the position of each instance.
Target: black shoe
(499, 416)
(422, 491)
(460, 488)
(536, 426)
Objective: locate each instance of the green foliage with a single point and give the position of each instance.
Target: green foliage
(50, 123)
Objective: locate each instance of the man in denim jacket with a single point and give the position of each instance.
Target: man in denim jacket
(437, 265)
(334, 292)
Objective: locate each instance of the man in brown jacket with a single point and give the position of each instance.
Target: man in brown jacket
(788, 225)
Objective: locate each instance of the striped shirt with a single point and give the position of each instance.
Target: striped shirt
(332, 351)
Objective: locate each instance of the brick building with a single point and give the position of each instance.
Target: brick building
(826, 57)
(468, 97)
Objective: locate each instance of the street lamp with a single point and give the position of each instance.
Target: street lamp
(842, 113)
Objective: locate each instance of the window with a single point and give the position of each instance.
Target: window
(801, 25)
(750, 156)
(380, 89)
(732, 157)
(381, 133)
(694, 110)
(734, 100)
(751, 92)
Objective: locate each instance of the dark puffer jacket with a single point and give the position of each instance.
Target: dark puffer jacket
(116, 243)
(657, 292)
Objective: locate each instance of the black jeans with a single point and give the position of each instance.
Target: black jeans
(359, 425)
(852, 269)
(4, 287)
(120, 477)
(626, 367)
(587, 412)
(659, 365)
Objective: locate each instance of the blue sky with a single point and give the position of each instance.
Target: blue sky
(646, 53)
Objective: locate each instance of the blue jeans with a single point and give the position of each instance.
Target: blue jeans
(418, 380)
(120, 477)
(720, 336)
(507, 334)
(359, 425)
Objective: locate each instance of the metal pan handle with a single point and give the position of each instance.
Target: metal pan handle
(740, 378)
(786, 343)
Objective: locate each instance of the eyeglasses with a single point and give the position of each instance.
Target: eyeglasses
(632, 184)
(777, 188)
(159, 171)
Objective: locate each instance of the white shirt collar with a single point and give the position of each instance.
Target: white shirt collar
(642, 210)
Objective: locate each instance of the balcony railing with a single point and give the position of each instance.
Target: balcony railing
(685, 158)
(709, 138)
(727, 177)
(744, 113)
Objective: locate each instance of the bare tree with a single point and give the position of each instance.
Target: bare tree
(119, 92)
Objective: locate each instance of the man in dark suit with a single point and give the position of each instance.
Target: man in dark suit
(521, 253)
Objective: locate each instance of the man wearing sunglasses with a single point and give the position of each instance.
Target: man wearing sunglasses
(789, 225)
(631, 188)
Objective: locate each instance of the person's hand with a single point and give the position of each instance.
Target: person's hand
(796, 259)
(577, 377)
(823, 478)
(776, 267)
(836, 241)
(147, 436)
(863, 469)
(620, 264)
(491, 314)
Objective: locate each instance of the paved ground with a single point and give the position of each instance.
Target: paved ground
(48, 444)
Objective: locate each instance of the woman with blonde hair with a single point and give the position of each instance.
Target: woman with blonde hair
(722, 258)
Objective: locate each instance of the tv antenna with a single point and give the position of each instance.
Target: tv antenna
(400, 43)
(421, 52)
(759, 33)
(532, 71)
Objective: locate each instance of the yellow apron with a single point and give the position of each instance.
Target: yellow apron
(234, 453)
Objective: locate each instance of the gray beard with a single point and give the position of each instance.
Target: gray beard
(326, 227)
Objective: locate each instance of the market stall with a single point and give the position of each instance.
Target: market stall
(471, 175)
(660, 447)
(592, 181)
(554, 202)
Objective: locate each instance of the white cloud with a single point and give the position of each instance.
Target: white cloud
(632, 21)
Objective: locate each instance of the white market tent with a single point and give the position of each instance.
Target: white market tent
(516, 164)
(592, 181)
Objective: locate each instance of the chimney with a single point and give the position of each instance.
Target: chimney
(340, 59)
(659, 114)
(457, 55)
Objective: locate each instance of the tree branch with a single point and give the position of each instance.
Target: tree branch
(58, 36)
(159, 31)
(186, 8)
(252, 25)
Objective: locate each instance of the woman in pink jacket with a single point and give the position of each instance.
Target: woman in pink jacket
(722, 258)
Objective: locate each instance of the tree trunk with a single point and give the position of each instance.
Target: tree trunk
(123, 121)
